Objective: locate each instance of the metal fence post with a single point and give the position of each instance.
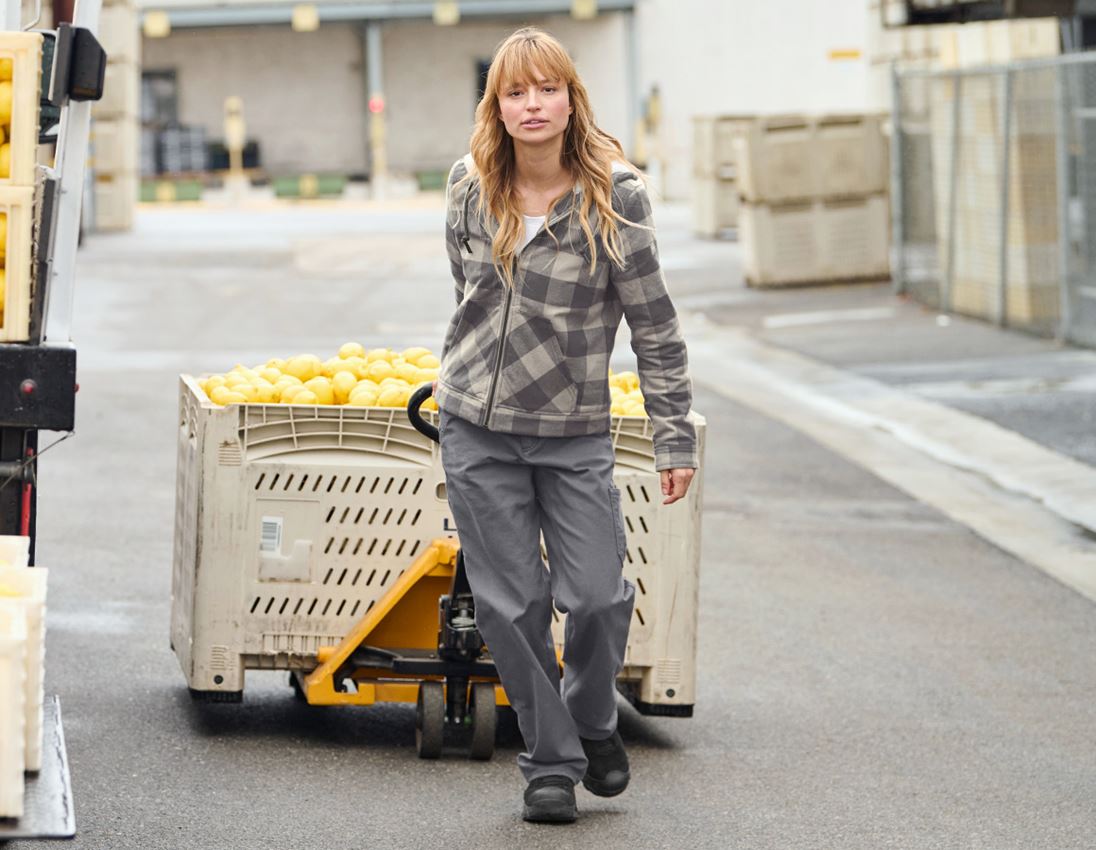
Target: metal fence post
(1065, 237)
(898, 211)
(949, 272)
(1006, 180)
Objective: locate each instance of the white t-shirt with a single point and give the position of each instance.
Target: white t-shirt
(532, 225)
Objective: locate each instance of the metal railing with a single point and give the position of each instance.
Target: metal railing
(994, 193)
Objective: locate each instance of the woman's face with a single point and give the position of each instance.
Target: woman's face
(535, 114)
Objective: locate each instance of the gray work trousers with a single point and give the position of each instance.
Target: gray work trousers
(503, 490)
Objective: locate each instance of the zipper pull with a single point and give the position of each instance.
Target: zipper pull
(465, 243)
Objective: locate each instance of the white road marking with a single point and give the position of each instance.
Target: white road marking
(822, 317)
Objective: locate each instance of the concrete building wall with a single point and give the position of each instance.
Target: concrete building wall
(743, 56)
(303, 93)
(430, 80)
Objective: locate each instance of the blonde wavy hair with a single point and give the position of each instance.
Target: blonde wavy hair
(588, 151)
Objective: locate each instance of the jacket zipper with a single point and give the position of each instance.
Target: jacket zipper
(506, 315)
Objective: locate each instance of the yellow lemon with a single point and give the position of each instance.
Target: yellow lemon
(375, 354)
(248, 391)
(408, 371)
(276, 363)
(321, 386)
(350, 366)
(329, 366)
(364, 398)
(342, 384)
(428, 361)
(5, 69)
(304, 366)
(390, 396)
(351, 349)
(5, 102)
(290, 392)
(378, 370)
(214, 381)
(234, 379)
(366, 383)
(221, 395)
(430, 404)
(412, 355)
(266, 392)
(5, 158)
(305, 396)
(3, 233)
(628, 380)
(270, 374)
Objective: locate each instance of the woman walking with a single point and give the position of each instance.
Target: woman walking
(549, 235)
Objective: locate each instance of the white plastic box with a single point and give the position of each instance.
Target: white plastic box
(788, 158)
(114, 144)
(292, 521)
(121, 93)
(24, 49)
(14, 550)
(120, 33)
(715, 205)
(13, 672)
(815, 242)
(17, 207)
(115, 201)
(30, 582)
(713, 144)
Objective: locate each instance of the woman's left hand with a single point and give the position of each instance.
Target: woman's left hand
(675, 483)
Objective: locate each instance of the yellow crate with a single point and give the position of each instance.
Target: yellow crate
(24, 51)
(16, 204)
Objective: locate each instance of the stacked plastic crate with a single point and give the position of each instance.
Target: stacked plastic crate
(22, 650)
(1031, 291)
(20, 90)
(116, 127)
(715, 188)
(814, 199)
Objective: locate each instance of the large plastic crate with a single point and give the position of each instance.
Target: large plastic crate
(790, 158)
(17, 209)
(13, 672)
(292, 521)
(30, 582)
(24, 49)
(815, 241)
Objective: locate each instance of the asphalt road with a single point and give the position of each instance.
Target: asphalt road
(871, 674)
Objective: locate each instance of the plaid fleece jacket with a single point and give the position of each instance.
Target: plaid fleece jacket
(535, 359)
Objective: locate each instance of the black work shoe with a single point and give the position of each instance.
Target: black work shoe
(607, 772)
(550, 798)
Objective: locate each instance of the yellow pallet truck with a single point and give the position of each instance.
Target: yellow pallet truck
(419, 644)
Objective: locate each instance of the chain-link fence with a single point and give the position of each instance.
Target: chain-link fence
(995, 193)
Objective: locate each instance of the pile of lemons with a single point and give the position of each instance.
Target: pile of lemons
(624, 392)
(5, 116)
(379, 377)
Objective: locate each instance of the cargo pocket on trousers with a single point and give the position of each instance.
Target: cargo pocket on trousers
(618, 521)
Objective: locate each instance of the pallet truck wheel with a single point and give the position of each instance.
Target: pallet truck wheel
(298, 691)
(430, 720)
(483, 721)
